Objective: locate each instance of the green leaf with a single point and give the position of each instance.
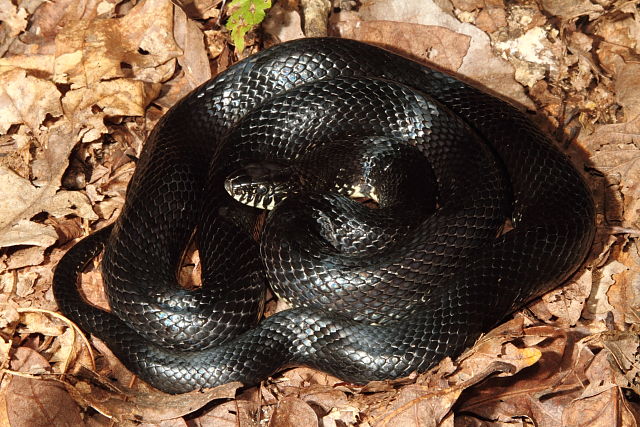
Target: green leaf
(243, 16)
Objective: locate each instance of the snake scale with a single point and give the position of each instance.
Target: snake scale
(373, 305)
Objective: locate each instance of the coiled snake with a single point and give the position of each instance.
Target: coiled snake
(375, 302)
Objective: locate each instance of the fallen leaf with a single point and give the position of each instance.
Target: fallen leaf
(194, 61)
(40, 323)
(231, 414)
(564, 306)
(89, 51)
(598, 304)
(25, 99)
(13, 21)
(627, 88)
(32, 401)
(572, 9)
(292, 412)
(282, 24)
(624, 357)
(489, 16)
(416, 405)
(599, 403)
(479, 63)
(28, 233)
(9, 315)
(89, 107)
(20, 199)
(145, 405)
(432, 44)
(25, 257)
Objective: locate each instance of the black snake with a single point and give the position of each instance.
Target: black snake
(395, 301)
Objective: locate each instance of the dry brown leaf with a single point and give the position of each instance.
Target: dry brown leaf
(616, 153)
(232, 414)
(90, 51)
(13, 20)
(92, 54)
(20, 195)
(194, 61)
(478, 63)
(416, 406)
(25, 286)
(432, 44)
(491, 19)
(563, 306)
(532, 54)
(598, 306)
(430, 400)
(327, 395)
(215, 43)
(49, 18)
(282, 24)
(63, 352)
(621, 35)
(5, 352)
(623, 353)
(9, 315)
(325, 399)
(27, 100)
(619, 57)
(627, 88)
(304, 377)
(202, 9)
(20, 200)
(572, 9)
(144, 404)
(37, 65)
(599, 404)
(67, 228)
(489, 15)
(87, 108)
(40, 323)
(34, 402)
(293, 412)
(603, 410)
(537, 391)
(624, 294)
(26, 232)
(25, 257)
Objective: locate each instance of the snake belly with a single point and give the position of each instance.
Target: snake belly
(426, 293)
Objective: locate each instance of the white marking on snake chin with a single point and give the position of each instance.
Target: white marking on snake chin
(359, 190)
(256, 202)
(271, 205)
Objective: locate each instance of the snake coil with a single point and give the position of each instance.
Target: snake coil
(403, 289)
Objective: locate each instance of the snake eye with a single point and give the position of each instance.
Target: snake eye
(261, 190)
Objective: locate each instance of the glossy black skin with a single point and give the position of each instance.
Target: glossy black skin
(378, 304)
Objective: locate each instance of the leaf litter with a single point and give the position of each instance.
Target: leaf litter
(83, 83)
